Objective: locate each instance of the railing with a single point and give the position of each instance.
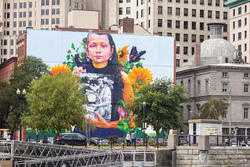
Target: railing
(215, 140)
(139, 158)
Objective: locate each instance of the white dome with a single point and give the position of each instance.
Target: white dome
(216, 50)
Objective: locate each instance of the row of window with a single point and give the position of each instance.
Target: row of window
(5, 42)
(127, 1)
(194, 12)
(240, 36)
(202, 2)
(240, 23)
(185, 50)
(47, 2)
(53, 21)
(240, 47)
(53, 11)
(240, 10)
(5, 51)
(14, 32)
(245, 75)
(22, 23)
(22, 14)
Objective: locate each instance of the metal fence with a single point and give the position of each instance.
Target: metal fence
(216, 140)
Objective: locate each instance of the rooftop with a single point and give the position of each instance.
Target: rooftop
(235, 3)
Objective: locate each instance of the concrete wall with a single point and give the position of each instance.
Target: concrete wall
(214, 157)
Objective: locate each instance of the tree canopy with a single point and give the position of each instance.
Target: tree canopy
(55, 103)
(31, 68)
(213, 109)
(162, 110)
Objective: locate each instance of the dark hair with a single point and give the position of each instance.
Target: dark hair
(114, 69)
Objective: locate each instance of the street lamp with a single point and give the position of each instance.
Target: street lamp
(144, 127)
(20, 99)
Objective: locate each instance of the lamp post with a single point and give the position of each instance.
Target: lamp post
(20, 99)
(144, 127)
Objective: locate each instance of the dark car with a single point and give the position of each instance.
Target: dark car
(72, 139)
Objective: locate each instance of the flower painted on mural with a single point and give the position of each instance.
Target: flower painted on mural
(140, 77)
(122, 112)
(123, 54)
(59, 69)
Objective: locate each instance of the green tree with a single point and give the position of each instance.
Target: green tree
(30, 68)
(55, 103)
(162, 110)
(213, 109)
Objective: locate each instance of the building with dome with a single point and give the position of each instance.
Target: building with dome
(215, 76)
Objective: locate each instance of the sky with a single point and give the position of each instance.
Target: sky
(52, 47)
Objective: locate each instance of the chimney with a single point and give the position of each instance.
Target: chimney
(216, 30)
(128, 25)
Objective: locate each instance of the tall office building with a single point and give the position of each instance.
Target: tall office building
(17, 15)
(239, 19)
(185, 20)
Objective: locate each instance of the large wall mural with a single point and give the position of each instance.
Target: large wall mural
(112, 67)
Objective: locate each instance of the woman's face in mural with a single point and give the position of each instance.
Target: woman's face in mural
(99, 49)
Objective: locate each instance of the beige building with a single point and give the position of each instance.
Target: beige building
(219, 81)
(17, 15)
(186, 20)
(239, 19)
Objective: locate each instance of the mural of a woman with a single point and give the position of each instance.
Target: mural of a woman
(106, 84)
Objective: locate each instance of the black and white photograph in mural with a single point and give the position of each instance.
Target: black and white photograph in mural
(98, 88)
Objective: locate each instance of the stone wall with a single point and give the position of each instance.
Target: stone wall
(187, 156)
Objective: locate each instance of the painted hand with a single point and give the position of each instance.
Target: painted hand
(102, 123)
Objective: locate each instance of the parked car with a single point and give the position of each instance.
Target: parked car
(234, 142)
(101, 141)
(72, 139)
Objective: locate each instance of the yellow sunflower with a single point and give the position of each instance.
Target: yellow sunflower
(140, 77)
(123, 54)
(58, 69)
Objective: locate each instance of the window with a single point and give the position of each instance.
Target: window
(24, 23)
(120, 1)
(20, 23)
(185, 1)
(47, 11)
(47, 21)
(233, 37)
(15, 5)
(201, 13)
(177, 50)
(42, 2)
(217, 3)
(201, 38)
(149, 9)
(169, 22)
(245, 112)
(120, 11)
(128, 10)
(201, 26)
(245, 8)
(30, 23)
(169, 34)
(159, 22)
(185, 25)
(177, 1)
(30, 4)
(177, 24)
(233, 25)
(137, 14)
(224, 87)
(193, 1)
(47, 2)
(233, 12)
(239, 10)
(224, 114)
(245, 47)
(239, 47)
(217, 14)
(57, 21)
(20, 5)
(42, 12)
(142, 2)
(201, 2)
(245, 34)
(177, 11)
(239, 35)
(224, 75)
(209, 2)
(53, 11)
(128, 1)
(185, 38)
(193, 12)
(169, 10)
(24, 5)
(5, 42)
(42, 21)
(14, 23)
(177, 37)
(246, 75)
(245, 89)
(185, 11)
(185, 50)
(149, 24)
(30, 14)
(160, 10)
(142, 12)
(209, 14)
(53, 21)
(193, 38)
(206, 86)
(225, 28)
(245, 21)
(58, 2)
(193, 25)
(239, 23)
(225, 15)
